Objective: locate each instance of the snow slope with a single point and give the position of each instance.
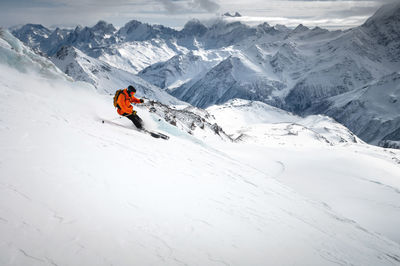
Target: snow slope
(259, 123)
(81, 67)
(373, 111)
(14, 54)
(319, 157)
(106, 78)
(33, 35)
(135, 56)
(183, 68)
(75, 191)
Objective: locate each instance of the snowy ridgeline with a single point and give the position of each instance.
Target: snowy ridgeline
(303, 70)
(270, 188)
(187, 118)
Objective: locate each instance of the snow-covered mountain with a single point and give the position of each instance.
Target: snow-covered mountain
(371, 111)
(105, 77)
(348, 62)
(305, 68)
(138, 31)
(263, 124)
(299, 69)
(383, 27)
(183, 68)
(238, 76)
(120, 46)
(81, 67)
(103, 41)
(33, 35)
(14, 54)
(237, 14)
(75, 190)
(312, 63)
(92, 40)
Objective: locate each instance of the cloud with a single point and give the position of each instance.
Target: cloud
(351, 12)
(332, 13)
(29, 3)
(206, 5)
(189, 6)
(171, 6)
(292, 22)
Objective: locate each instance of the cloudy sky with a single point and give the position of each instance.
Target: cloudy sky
(174, 13)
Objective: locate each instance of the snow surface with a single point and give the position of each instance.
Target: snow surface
(262, 123)
(105, 78)
(183, 68)
(135, 56)
(75, 191)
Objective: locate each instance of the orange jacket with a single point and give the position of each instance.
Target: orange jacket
(124, 102)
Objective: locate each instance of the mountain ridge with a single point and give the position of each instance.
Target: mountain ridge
(294, 69)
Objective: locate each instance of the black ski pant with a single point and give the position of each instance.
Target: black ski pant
(136, 120)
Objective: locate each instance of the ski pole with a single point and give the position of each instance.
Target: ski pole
(119, 117)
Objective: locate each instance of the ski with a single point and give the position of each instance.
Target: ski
(151, 133)
(156, 134)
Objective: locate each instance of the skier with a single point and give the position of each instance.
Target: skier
(123, 101)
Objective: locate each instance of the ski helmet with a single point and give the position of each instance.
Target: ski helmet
(131, 89)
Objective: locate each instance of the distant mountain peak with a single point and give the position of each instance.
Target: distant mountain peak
(194, 27)
(300, 28)
(193, 22)
(384, 27)
(264, 25)
(66, 51)
(133, 23)
(101, 23)
(32, 29)
(37, 26)
(281, 27)
(388, 12)
(236, 15)
(78, 28)
(104, 27)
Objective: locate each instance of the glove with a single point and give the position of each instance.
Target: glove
(141, 101)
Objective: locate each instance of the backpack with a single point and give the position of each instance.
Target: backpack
(116, 96)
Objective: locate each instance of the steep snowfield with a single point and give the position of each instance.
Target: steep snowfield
(373, 110)
(106, 78)
(384, 28)
(183, 68)
(81, 67)
(32, 35)
(260, 123)
(13, 53)
(135, 56)
(75, 191)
